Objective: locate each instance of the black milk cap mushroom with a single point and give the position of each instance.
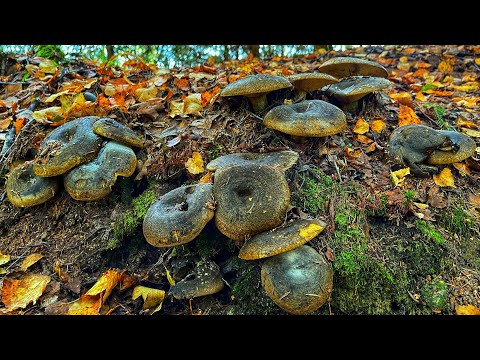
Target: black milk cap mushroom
(282, 160)
(94, 180)
(313, 118)
(299, 281)
(343, 66)
(256, 88)
(24, 188)
(179, 215)
(114, 130)
(281, 239)
(251, 198)
(69, 145)
(307, 82)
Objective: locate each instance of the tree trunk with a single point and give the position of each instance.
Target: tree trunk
(254, 49)
(110, 51)
(225, 53)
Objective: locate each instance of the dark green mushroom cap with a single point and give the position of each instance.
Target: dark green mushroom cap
(299, 281)
(205, 279)
(341, 67)
(69, 145)
(308, 118)
(282, 160)
(114, 130)
(465, 148)
(251, 198)
(283, 238)
(95, 179)
(311, 81)
(353, 88)
(179, 215)
(24, 188)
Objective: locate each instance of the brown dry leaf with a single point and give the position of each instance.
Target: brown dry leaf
(30, 260)
(465, 123)
(144, 94)
(399, 175)
(127, 281)
(436, 198)
(152, 298)
(182, 84)
(176, 108)
(361, 126)
(403, 98)
(194, 165)
(377, 125)
(5, 123)
(406, 116)
(462, 168)
(61, 274)
(444, 179)
(207, 178)
(17, 294)
(329, 254)
(467, 310)
(364, 139)
(474, 200)
(371, 147)
(470, 132)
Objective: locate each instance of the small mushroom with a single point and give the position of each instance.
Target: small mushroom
(95, 179)
(307, 82)
(463, 147)
(283, 238)
(344, 66)
(114, 130)
(282, 160)
(313, 118)
(69, 145)
(24, 188)
(256, 88)
(251, 198)
(299, 281)
(179, 215)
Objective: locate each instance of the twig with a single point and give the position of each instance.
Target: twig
(12, 82)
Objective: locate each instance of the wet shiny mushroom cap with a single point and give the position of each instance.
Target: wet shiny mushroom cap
(311, 81)
(344, 66)
(281, 239)
(465, 144)
(94, 180)
(179, 215)
(251, 198)
(24, 188)
(313, 118)
(353, 88)
(299, 281)
(282, 160)
(69, 145)
(114, 130)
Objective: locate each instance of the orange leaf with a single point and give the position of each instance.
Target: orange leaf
(444, 179)
(207, 178)
(406, 115)
(106, 283)
(19, 293)
(182, 84)
(209, 97)
(194, 164)
(445, 67)
(352, 153)
(19, 123)
(403, 98)
(361, 126)
(441, 92)
(467, 310)
(377, 126)
(422, 65)
(364, 139)
(371, 147)
(104, 102)
(464, 101)
(465, 123)
(86, 305)
(419, 96)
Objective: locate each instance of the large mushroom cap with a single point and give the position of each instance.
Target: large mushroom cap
(94, 180)
(307, 118)
(299, 281)
(251, 198)
(465, 148)
(282, 160)
(24, 188)
(281, 239)
(69, 145)
(178, 216)
(343, 66)
(114, 130)
(311, 81)
(354, 88)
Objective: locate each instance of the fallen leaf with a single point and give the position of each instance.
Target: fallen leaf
(467, 310)
(61, 274)
(30, 260)
(377, 125)
(406, 116)
(46, 115)
(419, 96)
(399, 175)
(465, 123)
(420, 205)
(371, 147)
(329, 255)
(170, 279)
(474, 200)
(444, 179)
(4, 259)
(51, 98)
(5, 123)
(462, 168)
(127, 281)
(18, 294)
(86, 305)
(176, 108)
(467, 87)
(470, 132)
(192, 104)
(194, 164)
(361, 126)
(364, 139)
(477, 61)
(436, 198)
(445, 67)
(352, 153)
(106, 283)
(403, 98)
(207, 178)
(152, 298)
(182, 84)
(144, 94)
(19, 124)
(209, 97)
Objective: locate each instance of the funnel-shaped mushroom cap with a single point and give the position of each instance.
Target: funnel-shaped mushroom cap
(251, 198)
(282, 160)
(114, 130)
(24, 188)
(69, 145)
(354, 88)
(341, 67)
(95, 179)
(311, 81)
(205, 279)
(299, 281)
(307, 118)
(465, 147)
(178, 216)
(281, 239)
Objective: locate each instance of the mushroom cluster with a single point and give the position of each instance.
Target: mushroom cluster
(89, 153)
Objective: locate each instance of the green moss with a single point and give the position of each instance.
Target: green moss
(409, 196)
(210, 243)
(435, 294)
(428, 231)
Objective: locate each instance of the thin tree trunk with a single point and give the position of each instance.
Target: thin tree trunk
(110, 51)
(225, 53)
(254, 49)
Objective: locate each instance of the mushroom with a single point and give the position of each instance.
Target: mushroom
(344, 66)
(179, 215)
(114, 130)
(69, 145)
(307, 82)
(308, 118)
(283, 238)
(464, 147)
(255, 88)
(251, 198)
(299, 281)
(24, 188)
(282, 160)
(351, 89)
(94, 180)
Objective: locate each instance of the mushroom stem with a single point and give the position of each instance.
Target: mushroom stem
(299, 95)
(352, 108)
(259, 102)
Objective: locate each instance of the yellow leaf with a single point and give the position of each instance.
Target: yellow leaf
(176, 108)
(169, 277)
(109, 90)
(448, 79)
(467, 309)
(192, 104)
(194, 164)
(403, 59)
(144, 94)
(465, 123)
(311, 231)
(152, 298)
(467, 87)
(86, 305)
(444, 179)
(4, 258)
(420, 205)
(477, 61)
(106, 283)
(377, 126)
(68, 102)
(399, 175)
(45, 116)
(207, 178)
(404, 66)
(30, 260)
(462, 168)
(406, 116)
(466, 101)
(445, 67)
(470, 132)
(20, 293)
(54, 96)
(419, 96)
(361, 126)
(403, 98)
(47, 66)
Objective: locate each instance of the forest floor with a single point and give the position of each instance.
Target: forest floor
(411, 247)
